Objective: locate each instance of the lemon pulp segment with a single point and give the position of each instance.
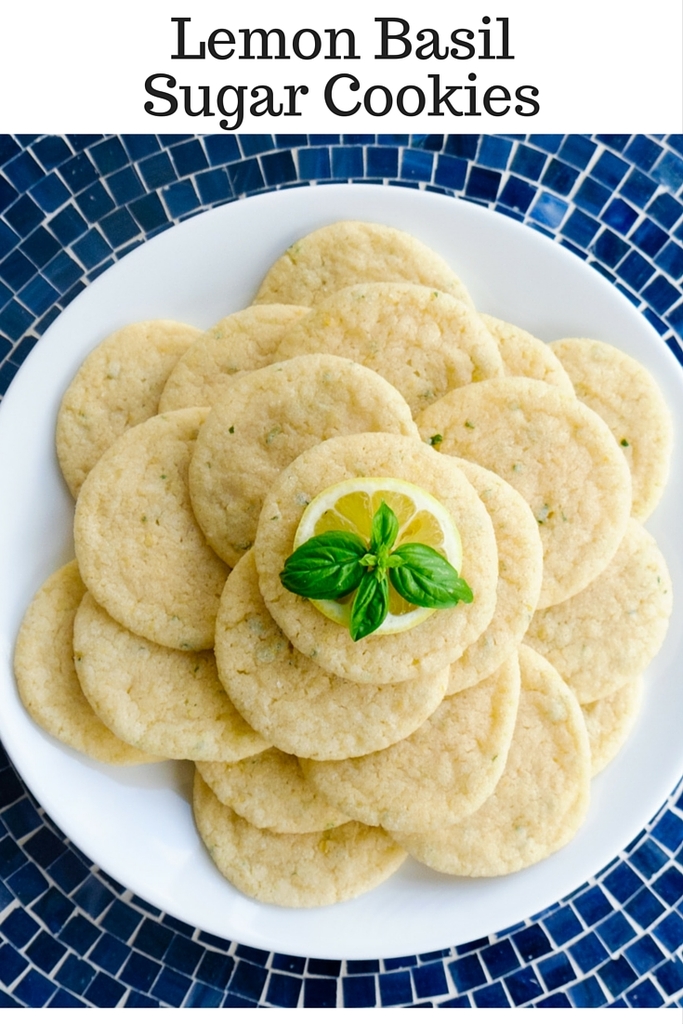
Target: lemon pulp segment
(351, 504)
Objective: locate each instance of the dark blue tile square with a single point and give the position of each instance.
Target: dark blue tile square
(642, 151)
(291, 141)
(153, 938)
(213, 186)
(109, 953)
(661, 296)
(648, 858)
(8, 148)
(450, 172)
(34, 989)
(19, 927)
(528, 162)
(91, 249)
(8, 239)
(50, 193)
(615, 931)
(550, 143)
(45, 952)
(140, 146)
(183, 954)
(675, 318)
(180, 198)
(644, 996)
(14, 322)
(157, 171)
(248, 980)
(53, 909)
(238, 1001)
(556, 971)
(577, 150)
(81, 142)
(104, 991)
(665, 210)
(636, 271)
(109, 155)
(7, 372)
(644, 954)
(435, 954)
(587, 994)
(291, 964)
(500, 958)
(491, 996)
(669, 885)
(649, 237)
(44, 847)
(620, 216)
(171, 987)
(78, 172)
(467, 972)
(670, 259)
(464, 146)
(670, 976)
(669, 171)
(347, 162)
(483, 184)
(12, 963)
(517, 194)
(254, 144)
(460, 1001)
(549, 210)
(189, 157)
(359, 991)
(362, 966)
(638, 188)
(523, 986)
(40, 246)
(204, 996)
(609, 169)
(670, 932)
(559, 177)
(16, 270)
(93, 897)
(246, 176)
(64, 1000)
(80, 934)
(314, 163)
(430, 142)
(75, 974)
(588, 952)
(94, 202)
(591, 196)
(283, 990)
(531, 942)
(222, 149)
(430, 980)
(139, 972)
(556, 1001)
(148, 212)
(610, 249)
(121, 920)
(331, 968)
(8, 194)
(395, 988)
(562, 925)
(24, 215)
(23, 171)
(27, 883)
(279, 168)
(617, 975)
(320, 992)
(381, 162)
(118, 228)
(125, 185)
(67, 225)
(494, 152)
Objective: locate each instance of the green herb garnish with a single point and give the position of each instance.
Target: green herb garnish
(333, 565)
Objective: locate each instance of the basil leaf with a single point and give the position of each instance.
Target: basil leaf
(384, 529)
(370, 605)
(326, 567)
(427, 579)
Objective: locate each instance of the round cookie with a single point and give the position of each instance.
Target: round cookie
(118, 386)
(140, 550)
(603, 636)
(628, 399)
(315, 869)
(435, 642)
(526, 356)
(237, 344)
(269, 791)
(441, 773)
(423, 341)
(561, 458)
(354, 252)
(610, 720)
(263, 420)
(46, 676)
(520, 572)
(165, 702)
(542, 797)
(296, 704)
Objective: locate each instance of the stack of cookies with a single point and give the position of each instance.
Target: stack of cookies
(467, 741)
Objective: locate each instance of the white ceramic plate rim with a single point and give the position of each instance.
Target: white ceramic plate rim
(136, 823)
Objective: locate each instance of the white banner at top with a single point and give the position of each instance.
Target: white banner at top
(507, 66)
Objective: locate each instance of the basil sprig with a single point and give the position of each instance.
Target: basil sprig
(333, 565)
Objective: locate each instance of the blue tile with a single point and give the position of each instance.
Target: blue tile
(382, 162)
(617, 975)
(587, 994)
(609, 169)
(203, 996)
(549, 210)
(14, 321)
(559, 177)
(551, 143)
(460, 1001)
(669, 171)
(118, 228)
(75, 974)
(644, 996)
(153, 938)
(27, 883)
(40, 247)
(636, 271)
(563, 925)
(139, 972)
(528, 162)
(16, 270)
(23, 171)
(556, 971)
(314, 163)
(615, 931)
(44, 847)
(91, 249)
(464, 146)
(320, 992)
(109, 155)
(644, 954)
(577, 150)
(34, 989)
(180, 198)
(189, 157)
(517, 194)
(81, 142)
(67, 225)
(491, 996)
(500, 958)
(669, 885)
(494, 152)
(157, 170)
(148, 212)
(183, 954)
(8, 194)
(395, 988)
(643, 151)
(171, 987)
(213, 186)
(53, 909)
(93, 897)
(80, 934)
(283, 990)
(430, 980)
(648, 237)
(661, 295)
(555, 1001)
(531, 942)
(140, 146)
(670, 259)
(7, 372)
(222, 149)
(670, 976)
(670, 932)
(109, 953)
(588, 952)
(245, 176)
(359, 991)
(248, 980)
(125, 185)
(12, 963)
(95, 202)
(620, 216)
(104, 991)
(675, 318)
(121, 920)
(347, 162)
(19, 927)
(523, 986)
(362, 966)
(50, 193)
(467, 973)
(8, 148)
(278, 168)
(591, 196)
(253, 144)
(665, 210)
(8, 239)
(292, 964)
(610, 249)
(64, 1000)
(24, 215)
(331, 968)
(45, 952)
(38, 295)
(483, 184)
(638, 188)
(78, 172)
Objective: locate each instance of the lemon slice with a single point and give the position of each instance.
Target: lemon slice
(351, 504)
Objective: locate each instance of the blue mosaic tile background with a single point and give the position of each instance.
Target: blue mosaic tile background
(72, 205)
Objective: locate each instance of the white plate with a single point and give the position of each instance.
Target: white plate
(136, 823)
